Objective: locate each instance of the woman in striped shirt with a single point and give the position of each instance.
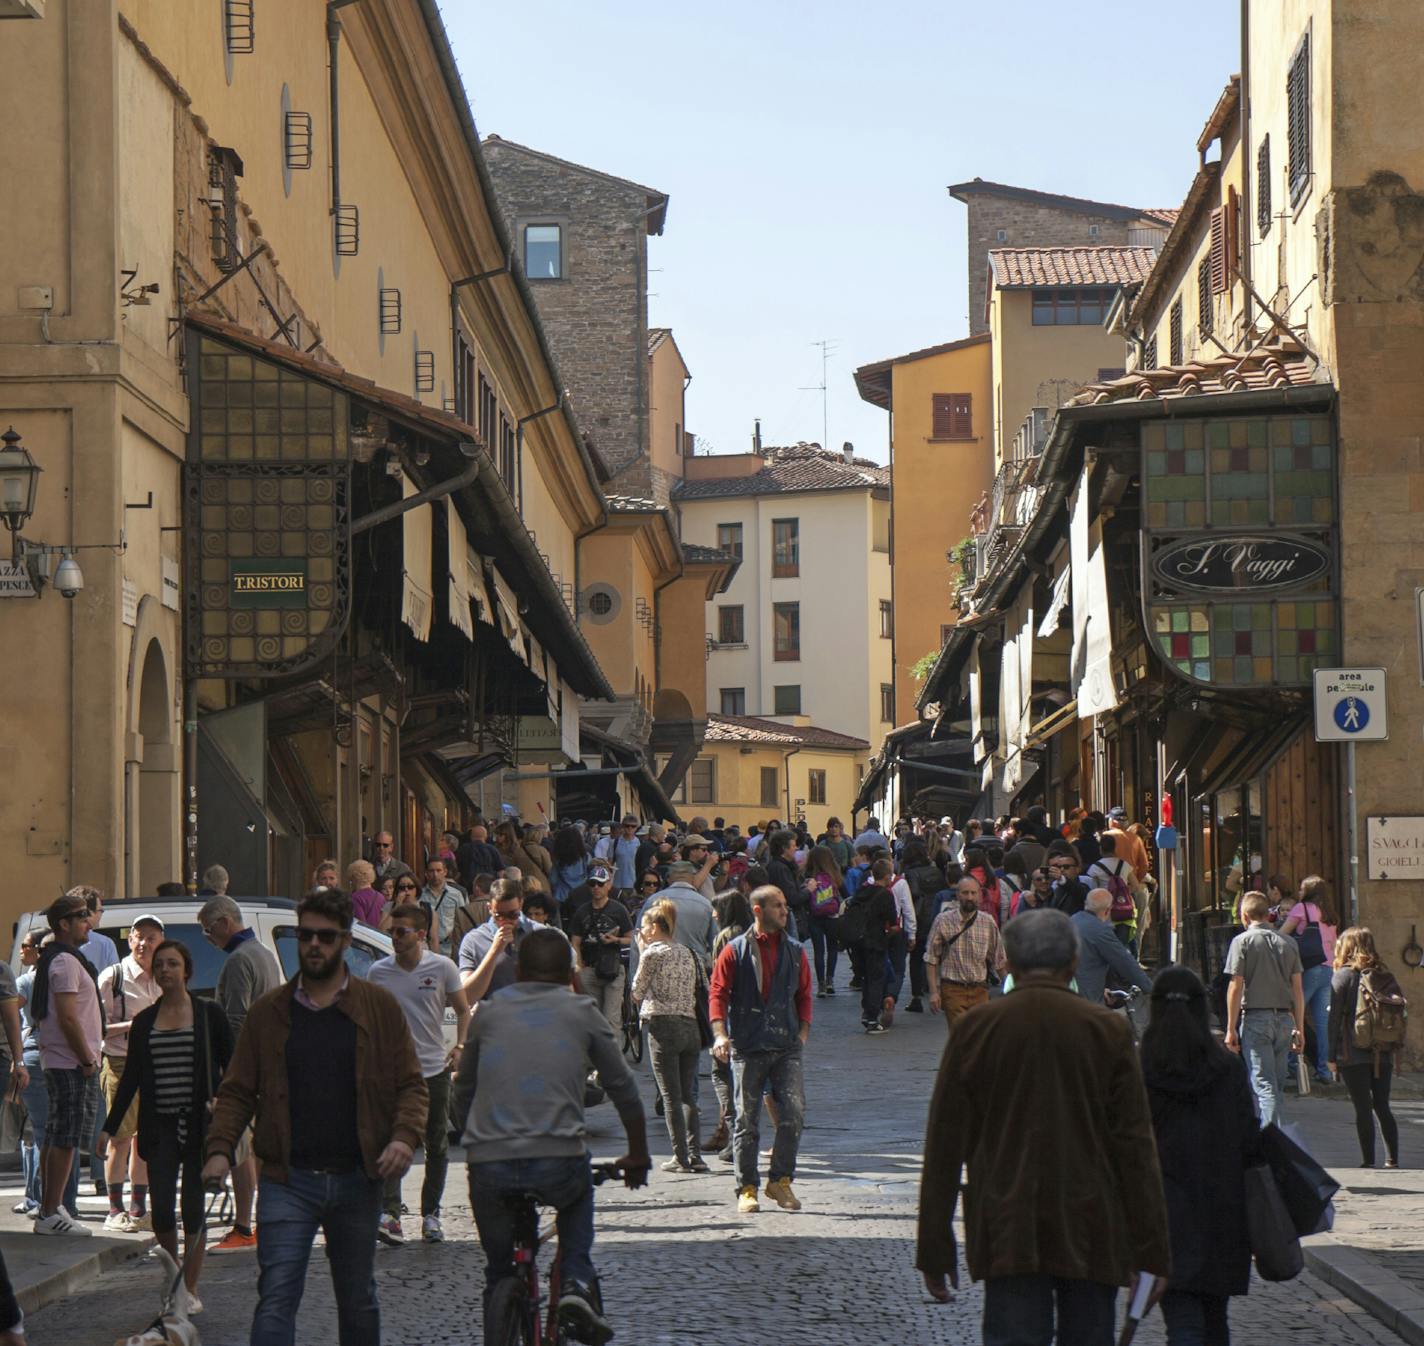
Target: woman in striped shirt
(178, 1051)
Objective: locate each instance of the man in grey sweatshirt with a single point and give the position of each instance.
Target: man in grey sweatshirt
(519, 1099)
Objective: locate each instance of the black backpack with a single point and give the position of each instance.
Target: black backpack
(854, 922)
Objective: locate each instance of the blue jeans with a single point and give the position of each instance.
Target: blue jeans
(825, 948)
(1019, 1311)
(345, 1207)
(1195, 1320)
(896, 954)
(563, 1183)
(1265, 1042)
(36, 1098)
(1315, 983)
(753, 1072)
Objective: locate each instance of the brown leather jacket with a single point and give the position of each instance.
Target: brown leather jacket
(391, 1095)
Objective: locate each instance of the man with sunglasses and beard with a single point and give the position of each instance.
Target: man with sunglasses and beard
(327, 1066)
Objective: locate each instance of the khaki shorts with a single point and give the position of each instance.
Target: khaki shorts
(242, 1151)
(111, 1070)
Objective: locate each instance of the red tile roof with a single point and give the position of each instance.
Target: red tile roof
(1287, 365)
(754, 729)
(1165, 215)
(961, 191)
(798, 467)
(1025, 268)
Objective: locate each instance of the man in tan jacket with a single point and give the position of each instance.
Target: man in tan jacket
(327, 1067)
(1041, 1095)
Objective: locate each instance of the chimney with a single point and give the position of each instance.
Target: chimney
(848, 451)
(756, 436)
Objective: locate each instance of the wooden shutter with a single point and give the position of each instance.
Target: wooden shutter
(953, 416)
(1233, 234)
(1298, 118)
(1263, 187)
(1175, 333)
(1218, 250)
(1206, 287)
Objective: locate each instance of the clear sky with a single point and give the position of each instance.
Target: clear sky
(806, 148)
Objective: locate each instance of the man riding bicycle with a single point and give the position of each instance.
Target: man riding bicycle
(520, 1091)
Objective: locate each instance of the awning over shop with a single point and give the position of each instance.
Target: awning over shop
(1016, 685)
(417, 605)
(507, 606)
(1091, 665)
(457, 568)
(1057, 602)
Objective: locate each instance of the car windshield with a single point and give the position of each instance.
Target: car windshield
(207, 961)
(359, 956)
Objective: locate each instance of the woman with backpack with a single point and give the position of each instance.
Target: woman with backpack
(1366, 1028)
(1196, 1088)
(825, 888)
(1314, 924)
(570, 864)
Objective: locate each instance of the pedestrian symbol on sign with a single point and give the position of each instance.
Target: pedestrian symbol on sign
(1352, 714)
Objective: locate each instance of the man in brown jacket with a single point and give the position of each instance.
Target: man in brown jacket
(1041, 1095)
(327, 1067)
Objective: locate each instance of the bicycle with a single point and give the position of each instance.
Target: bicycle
(1134, 1003)
(632, 1022)
(514, 1317)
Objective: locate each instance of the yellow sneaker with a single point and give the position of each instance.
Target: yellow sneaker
(747, 1203)
(780, 1192)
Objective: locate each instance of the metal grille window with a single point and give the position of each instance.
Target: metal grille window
(734, 701)
(239, 33)
(786, 699)
(731, 628)
(887, 703)
(816, 785)
(1263, 187)
(786, 629)
(729, 539)
(224, 168)
(297, 139)
(768, 787)
(887, 619)
(425, 371)
(1298, 119)
(953, 416)
(1175, 332)
(1149, 353)
(785, 548)
(390, 306)
(347, 220)
(1204, 303)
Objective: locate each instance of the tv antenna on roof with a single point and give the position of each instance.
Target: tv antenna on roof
(827, 346)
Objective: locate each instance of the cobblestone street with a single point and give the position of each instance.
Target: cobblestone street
(680, 1265)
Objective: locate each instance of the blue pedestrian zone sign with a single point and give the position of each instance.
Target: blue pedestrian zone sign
(1350, 705)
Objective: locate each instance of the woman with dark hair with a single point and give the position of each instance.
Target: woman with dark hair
(178, 1051)
(570, 863)
(1366, 1073)
(825, 889)
(1196, 1088)
(1314, 912)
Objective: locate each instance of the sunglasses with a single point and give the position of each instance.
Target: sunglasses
(648, 887)
(384, 845)
(399, 930)
(305, 935)
(405, 888)
(506, 915)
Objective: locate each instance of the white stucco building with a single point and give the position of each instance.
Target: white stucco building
(805, 627)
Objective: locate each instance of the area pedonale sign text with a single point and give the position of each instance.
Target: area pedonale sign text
(1255, 563)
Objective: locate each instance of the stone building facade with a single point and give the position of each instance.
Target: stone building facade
(1000, 216)
(595, 305)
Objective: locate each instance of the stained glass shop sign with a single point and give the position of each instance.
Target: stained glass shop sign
(1238, 547)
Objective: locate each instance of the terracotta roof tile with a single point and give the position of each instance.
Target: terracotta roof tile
(1024, 268)
(631, 504)
(1287, 365)
(694, 551)
(754, 729)
(799, 467)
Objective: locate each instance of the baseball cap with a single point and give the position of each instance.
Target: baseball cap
(694, 839)
(599, 874)
(1117, 811)
(148, 918)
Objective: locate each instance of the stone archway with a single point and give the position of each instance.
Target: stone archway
(151, 763)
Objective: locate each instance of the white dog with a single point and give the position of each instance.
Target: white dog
(172, 1326)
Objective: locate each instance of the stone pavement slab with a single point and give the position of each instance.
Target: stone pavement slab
(680, 1265)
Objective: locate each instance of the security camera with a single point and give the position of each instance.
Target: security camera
(68, 578)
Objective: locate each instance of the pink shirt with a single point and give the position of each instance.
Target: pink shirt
(68, 977)
(1308, 911)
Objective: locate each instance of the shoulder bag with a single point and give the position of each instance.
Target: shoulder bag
(701, 1007)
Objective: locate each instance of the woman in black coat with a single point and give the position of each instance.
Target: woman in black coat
(179, 1049)
(1204, 1116)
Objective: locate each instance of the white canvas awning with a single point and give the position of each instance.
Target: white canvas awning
(1016, 685)
(1057, 601)
(457, 569)
(1092, 629)
(417, 592)
(509, 614)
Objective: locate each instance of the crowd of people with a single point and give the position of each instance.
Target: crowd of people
(708, 940)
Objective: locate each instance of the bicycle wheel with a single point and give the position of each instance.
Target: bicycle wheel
(633, 1038)
(508, 1318)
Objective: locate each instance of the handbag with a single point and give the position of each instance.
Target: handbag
(1271, 1232)
(1310, 943)
(700, 1007)
(1304, 1186)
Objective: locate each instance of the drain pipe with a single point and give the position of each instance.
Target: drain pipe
(519, 447)
(437, 492)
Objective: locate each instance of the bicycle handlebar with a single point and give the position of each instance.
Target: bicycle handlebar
(602, 1172)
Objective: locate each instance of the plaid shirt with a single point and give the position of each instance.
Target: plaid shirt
(970, 957)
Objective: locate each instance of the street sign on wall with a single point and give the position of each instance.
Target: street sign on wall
(1395, 847)
(1350, 705)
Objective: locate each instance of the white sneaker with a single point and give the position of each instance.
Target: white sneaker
(192, 1305)
(118, 1222)
(62, 1223)
(430, 1229)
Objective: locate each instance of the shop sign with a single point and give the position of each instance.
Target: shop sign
(1395, 848)
(169, 579)
(1241, 562)
(263, 582)
(15, 581)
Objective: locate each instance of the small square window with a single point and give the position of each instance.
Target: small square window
(543, 251)
(734, 701)
(816, 785)
(887, 703)
(787, 699)
(769, 786)
(729, 539)
(703, 779)
(786, 631)
(887, 619)
(731, 624)
(785, 548)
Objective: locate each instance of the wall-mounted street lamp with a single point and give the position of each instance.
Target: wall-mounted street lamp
(19, 485)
